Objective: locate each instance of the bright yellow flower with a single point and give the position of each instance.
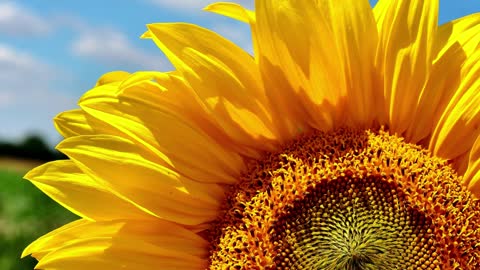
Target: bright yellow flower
(350, 140)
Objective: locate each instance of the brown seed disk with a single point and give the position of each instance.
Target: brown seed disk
(348, 199)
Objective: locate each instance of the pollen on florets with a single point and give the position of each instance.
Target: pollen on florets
(348, 199)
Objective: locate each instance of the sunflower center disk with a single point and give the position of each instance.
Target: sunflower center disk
(352, 224)
(348, 200)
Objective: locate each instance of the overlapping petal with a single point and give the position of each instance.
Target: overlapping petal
(461, 32)
(140, 110)
(73, 123)
(472, 175)
(224, 77)
(288, 111)
(455, 43)
(111, 77)
(119, 245)
(76, 122)
(322, 77)
(64, 182)
(148, 185)
(407, 31)
(237, 12)
(459, 124)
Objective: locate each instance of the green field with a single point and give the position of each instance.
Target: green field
(25, 214)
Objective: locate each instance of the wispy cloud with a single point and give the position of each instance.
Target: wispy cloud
(16, 20)
(18, 68)
(24, 77)
(114, 48)
(195, 4)
(28, 100)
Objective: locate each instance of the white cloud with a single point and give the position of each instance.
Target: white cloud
(16, 20)
(113, 48)
(19, 68)
(6, 98)
(28, 100)
(195, 4)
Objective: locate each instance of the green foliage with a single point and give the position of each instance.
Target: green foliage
(32, 147)
(25, 214)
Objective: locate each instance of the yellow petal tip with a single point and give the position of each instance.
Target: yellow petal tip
(30, 175)
(112, 76)
(208, 7)
(232, 10)
(25, 253)
(147, 33)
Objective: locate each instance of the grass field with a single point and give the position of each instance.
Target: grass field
(25, 214)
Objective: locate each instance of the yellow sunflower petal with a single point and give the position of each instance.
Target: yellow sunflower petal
(356, 36)
(43, 245)
(154, 188)
(77, 122)
(292, 120)
(407, 31)
(64, 182)
(237, 12)
(173, 95)
(472, 175)
(456, 41)
(232, 91)
(292, 36)
(460, 163)
(220, 163)
(459, 124)
(141, 113)
(72, 123)
(113, 76)
(232, 10)
(462, 32)
(120, 245)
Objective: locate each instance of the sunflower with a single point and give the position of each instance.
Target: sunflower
(349, 140)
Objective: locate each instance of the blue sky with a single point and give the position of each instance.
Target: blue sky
(53, 51)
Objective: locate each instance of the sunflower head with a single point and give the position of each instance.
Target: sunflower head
(348, 140)
(349, 198)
